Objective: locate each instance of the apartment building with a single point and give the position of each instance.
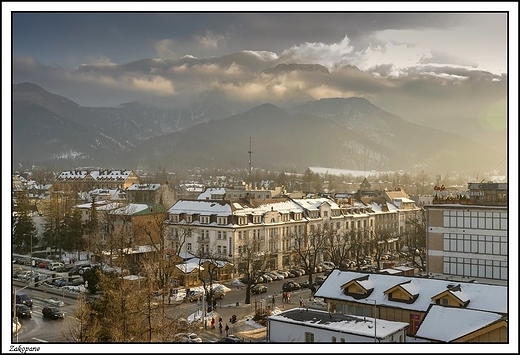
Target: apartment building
(89, 179)
(226, 228)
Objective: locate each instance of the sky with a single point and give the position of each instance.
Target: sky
(447, 64)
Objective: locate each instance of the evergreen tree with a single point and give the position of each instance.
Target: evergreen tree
(24, 229)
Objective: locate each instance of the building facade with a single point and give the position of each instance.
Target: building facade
(467, 236)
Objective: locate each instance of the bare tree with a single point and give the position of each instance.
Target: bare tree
(415, 237)
(309, 248)
(337, 248)
(252, 262)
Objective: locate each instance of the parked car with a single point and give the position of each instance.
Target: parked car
(60, 282)
(258, 289)
(17, 270)
(187, 338)
(194, 295)
(290, 286)
(231, 339)
(78, 269)
(23, 311)
(53, 313)
(43, 264)
(55, 266)
(29, 275)
(267, 278)
(296, 273)
(328, 265)
(304, 284)
(284, 273)
(319, 280)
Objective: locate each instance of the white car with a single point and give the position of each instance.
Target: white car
(55, 266)
(187, 338)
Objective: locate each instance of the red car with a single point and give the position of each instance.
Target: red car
(43, 264)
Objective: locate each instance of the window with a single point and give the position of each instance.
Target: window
(188, 247)
(219, 235)
(309, 337)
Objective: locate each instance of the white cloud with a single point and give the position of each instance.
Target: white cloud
(328, 55)
(210, 40)
(164, 48)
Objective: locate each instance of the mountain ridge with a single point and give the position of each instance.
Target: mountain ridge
(335, 132)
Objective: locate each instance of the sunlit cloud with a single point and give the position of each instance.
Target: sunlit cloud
(328, 55)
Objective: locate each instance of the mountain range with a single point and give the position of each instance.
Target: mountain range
(52, 131)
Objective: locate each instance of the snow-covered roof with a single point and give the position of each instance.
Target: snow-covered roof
(344, 323)
(315, 203)
(282, 207)
(189, 266)
(484, 297)
(205, 207)
(130, 209)
(445, 324)
(143, 187)
(96, 174)
(211, 192)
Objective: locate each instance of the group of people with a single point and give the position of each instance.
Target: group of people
(219, 325)
(286, 297)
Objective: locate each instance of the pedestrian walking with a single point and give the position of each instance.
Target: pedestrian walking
(227, 329)
(288, 297)
(301, 301)
(273, 301)
(212, 322)
(220, 327)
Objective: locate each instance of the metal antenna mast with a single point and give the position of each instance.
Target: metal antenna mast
(250, 152)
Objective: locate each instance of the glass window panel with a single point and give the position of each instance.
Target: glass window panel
(489, 248)
(496, 248)
(467, 222)
(446, 244)
(496, 223)
(503, 274)
(489, 272)
(467, 269)
(482, 222)
(503, 249)
(460, 269)
(481, 271)
(453, 244)
(467, 246)
(460, 245)
(489, 223)
(482, 247)
(460, 222)
(503, 224)
(474, 270)
(474, 246)
(453, 221)
(496, 272)
(474, 222)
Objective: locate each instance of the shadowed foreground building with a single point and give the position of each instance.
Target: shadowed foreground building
(301, 325)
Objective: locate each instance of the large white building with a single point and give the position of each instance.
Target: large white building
(225, 228)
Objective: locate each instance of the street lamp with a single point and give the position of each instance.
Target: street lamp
(375, 318)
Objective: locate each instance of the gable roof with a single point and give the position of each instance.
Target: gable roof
(446, 324)
(492, 298)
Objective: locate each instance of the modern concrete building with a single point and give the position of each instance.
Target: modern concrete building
(467, 235)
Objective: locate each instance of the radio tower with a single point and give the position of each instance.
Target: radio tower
(249, 166)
